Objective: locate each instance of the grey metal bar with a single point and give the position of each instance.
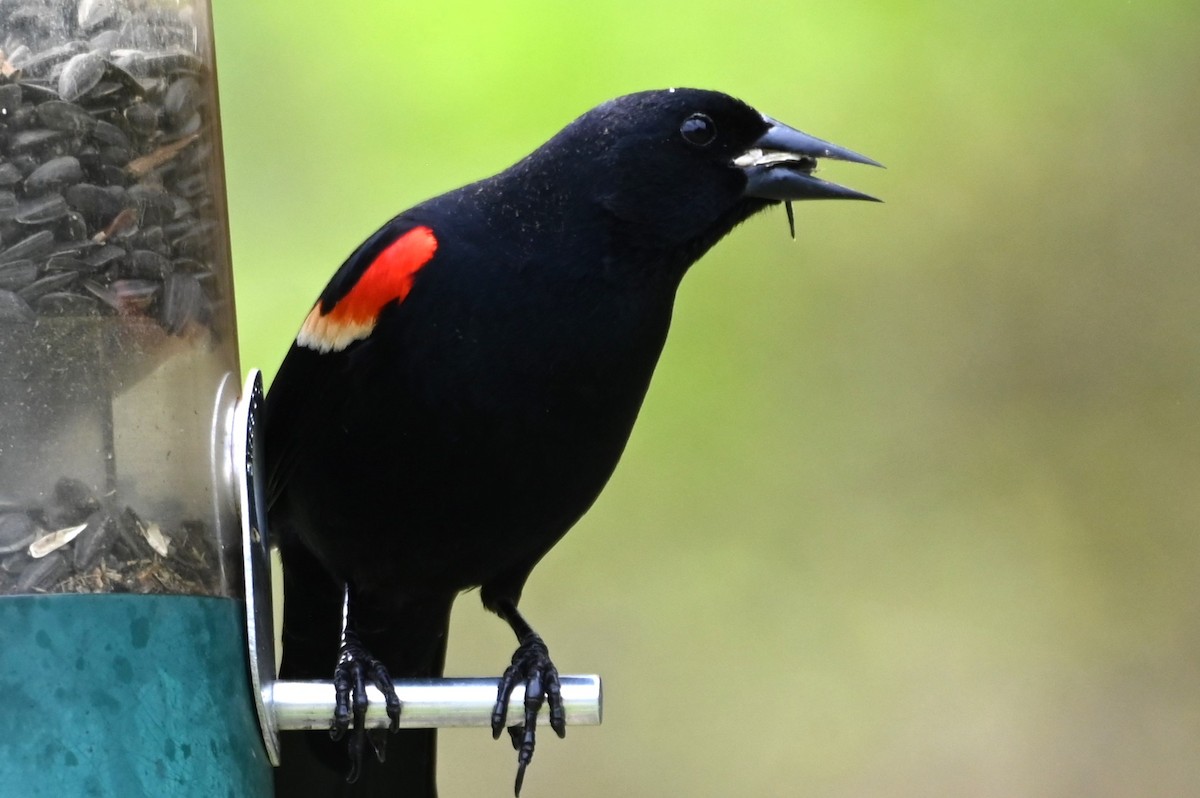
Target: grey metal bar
(427, 703)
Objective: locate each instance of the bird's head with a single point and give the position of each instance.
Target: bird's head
(682, 167)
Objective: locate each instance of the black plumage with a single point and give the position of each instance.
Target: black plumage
(465, 386)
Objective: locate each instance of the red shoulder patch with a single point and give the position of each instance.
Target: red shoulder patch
(388, 278)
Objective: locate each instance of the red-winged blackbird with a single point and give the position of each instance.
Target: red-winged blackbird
(465, 385)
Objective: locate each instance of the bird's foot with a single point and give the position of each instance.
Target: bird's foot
(356, 667)
(532, 667)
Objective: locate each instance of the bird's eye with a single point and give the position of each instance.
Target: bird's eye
(698, 129)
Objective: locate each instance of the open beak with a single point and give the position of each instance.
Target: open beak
(780, 165)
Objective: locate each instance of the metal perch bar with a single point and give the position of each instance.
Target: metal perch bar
(428, 703)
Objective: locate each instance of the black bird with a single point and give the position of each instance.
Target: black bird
(464, 386)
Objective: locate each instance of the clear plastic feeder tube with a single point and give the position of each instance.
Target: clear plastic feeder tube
(118, 349)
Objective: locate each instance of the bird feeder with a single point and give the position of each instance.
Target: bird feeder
(123, 668)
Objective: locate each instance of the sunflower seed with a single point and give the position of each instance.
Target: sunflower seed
(41, 210)
(63, 304)
(16, 275)
(15, 309)
(46, 285)
(80, 75)
(33, 140)
(17, 531)
(95, 540)
(183, 302)
(60, 115)
(42, 574)
(9, 174)
(93, 13)
(54, 541)
(54, 174)
(33, 246)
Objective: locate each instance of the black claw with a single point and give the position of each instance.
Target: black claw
(354, 749)
(520, 779)
(558, 715)
(356, 667)
(531, 665)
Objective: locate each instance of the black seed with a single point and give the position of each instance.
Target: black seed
(105, 41)
(89, 158)
(19, 53)
(25, 164)
(183, 302)
(60, 115)
(101, 99)
(186, 128)
(105, 295)
(42, 574)
(75, 497)
(116, 156)
(113, 175)
(137, 33)
(28, 141)
(46, 285)
(36, 92)
(80, 75)
(67, 263)
(181, 101)
(15, 309)
(146, 265)
(16, 275)
(17, 531)
(16, 563)
(165, 63)
(104, 257)
(61, 303)
(94, 541)
(23, 118)
(98, 205)
(142, 118)
(189, 266)
(133, 62)
(30, 247)
(40, 64)
(9, 174)
(136, 294)
(53, 175)
(129, 531)
(63, 248)
(154, 206)
(41, 209)
(108, 133)
(93, 13)
(191, 187)
(71, 230)
(183, 208)
(195, 243)
(123, 80)
(152, 238)
(177, 230)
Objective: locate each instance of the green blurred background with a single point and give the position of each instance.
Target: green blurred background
(911, 509)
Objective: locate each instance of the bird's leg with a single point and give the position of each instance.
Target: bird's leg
(355, 667)
(532, 667)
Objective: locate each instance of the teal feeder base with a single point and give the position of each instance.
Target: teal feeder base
(123, 696)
